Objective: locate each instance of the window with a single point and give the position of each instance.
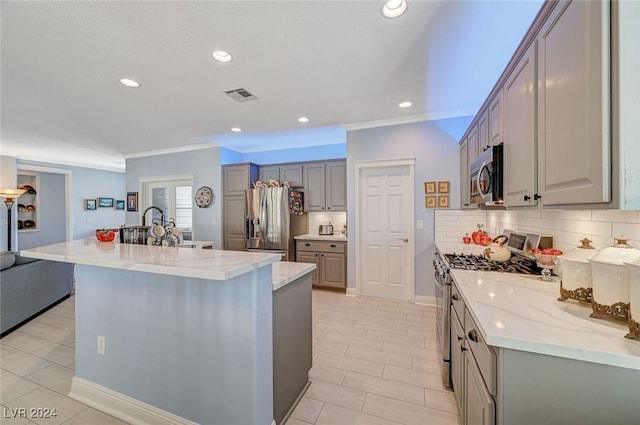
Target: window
(174, 198)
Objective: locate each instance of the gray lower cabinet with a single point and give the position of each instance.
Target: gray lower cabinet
(330, 259)
(500, 386)
(473, 368)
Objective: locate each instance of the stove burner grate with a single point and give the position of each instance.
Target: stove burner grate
(517, 264)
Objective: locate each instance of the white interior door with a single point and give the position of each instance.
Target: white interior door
(385, 214)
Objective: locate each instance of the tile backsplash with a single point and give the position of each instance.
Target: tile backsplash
(566, 226)
(337, 218)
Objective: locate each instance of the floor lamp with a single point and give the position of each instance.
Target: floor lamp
(10, 196)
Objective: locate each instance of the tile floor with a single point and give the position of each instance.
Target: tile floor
(375, 362)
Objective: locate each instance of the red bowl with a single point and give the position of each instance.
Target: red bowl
(105, 236)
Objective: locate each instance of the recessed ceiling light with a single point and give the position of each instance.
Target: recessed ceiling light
(394, 8)
(130, 83)
(222, 56)
(303, 119)
(236, 129)
(405, 104)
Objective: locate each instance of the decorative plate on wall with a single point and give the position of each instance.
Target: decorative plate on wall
(204, 197)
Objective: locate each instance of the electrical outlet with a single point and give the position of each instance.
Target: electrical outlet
(420, 225)
(102, 345)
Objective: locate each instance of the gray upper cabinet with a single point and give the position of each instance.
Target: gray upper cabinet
(325, 186)
(314, 187)
(464, 176)
(495, 120)
(292, 173)
(472, 143)
(520, 131)
(269, 172)
(238, 177)
(288, 172)
(336, 185)
(483, 132)
(573, 98)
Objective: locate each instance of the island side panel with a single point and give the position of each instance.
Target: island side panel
(200, 349)
(536, 389)
(292, 344)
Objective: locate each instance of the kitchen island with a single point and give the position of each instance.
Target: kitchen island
(548, 361)
(183, 335)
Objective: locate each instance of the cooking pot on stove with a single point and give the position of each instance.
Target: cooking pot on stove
(496, 250)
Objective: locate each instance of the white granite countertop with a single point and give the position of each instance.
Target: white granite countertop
(522, 313)
(286, 272)
(177, 261)
(312, 237)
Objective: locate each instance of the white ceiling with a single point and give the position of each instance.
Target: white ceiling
(341, 63)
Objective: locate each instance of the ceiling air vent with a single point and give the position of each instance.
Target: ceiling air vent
(240, 95)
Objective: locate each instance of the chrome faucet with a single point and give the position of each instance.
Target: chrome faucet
(153, 208)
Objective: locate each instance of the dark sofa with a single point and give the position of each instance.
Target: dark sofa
(29, 287)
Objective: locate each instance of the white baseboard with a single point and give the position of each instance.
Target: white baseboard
(351, 292)
(121, 406)
(425, 300)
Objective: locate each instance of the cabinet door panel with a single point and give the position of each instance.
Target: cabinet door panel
(234, 222)
(333, 269)
(573, 116)
(269, 173)
(314, 187)
(457, 362)
(472, 144)
(464, 176)
(495, 120)
(309, 257)
(480, 407)
(483, 132)
(237, 178)
(291, 173)
(336, 186)
(520, 131)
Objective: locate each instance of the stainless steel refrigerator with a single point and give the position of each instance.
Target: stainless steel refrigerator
(270, 223)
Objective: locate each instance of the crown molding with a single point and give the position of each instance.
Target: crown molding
(172, 150)
(412, 119)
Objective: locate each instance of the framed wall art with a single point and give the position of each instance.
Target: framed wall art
(443, 186)
(443, 201)
(430, 201)
(120, 204)
(429, 187)
(105, 202)
(132, 201)
(90, 204)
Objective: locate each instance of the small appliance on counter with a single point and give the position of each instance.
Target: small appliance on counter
(611, 281)
(576, 283)
(325, 229)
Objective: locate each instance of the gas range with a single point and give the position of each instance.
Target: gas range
(517, 264)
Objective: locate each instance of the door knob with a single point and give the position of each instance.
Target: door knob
(404, 239)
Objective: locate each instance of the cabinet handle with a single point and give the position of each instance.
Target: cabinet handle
(466, 204)
(333, 245)
(462, 349)
(527, 197)
(455, 297)
(460, 338)
(322, 255)
(307, 244)
(328, 208)
(536, 196)
(316, 254)
(473, 335)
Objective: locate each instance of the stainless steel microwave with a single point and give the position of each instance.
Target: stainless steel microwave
(486, 174)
